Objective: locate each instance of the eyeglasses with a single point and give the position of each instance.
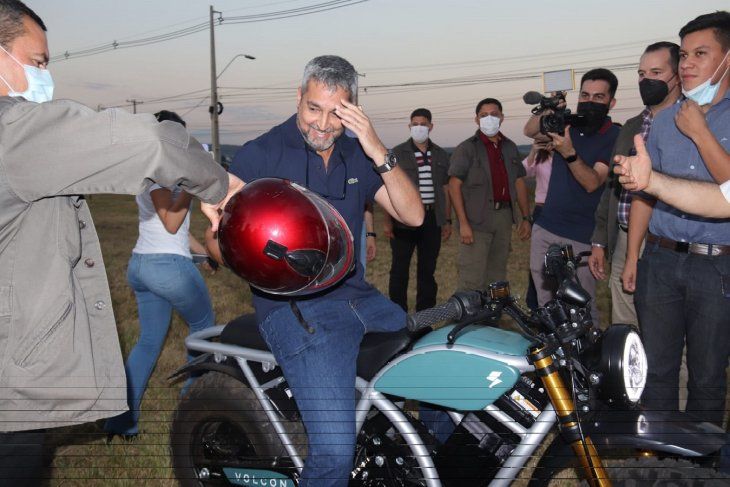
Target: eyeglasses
(336, 197)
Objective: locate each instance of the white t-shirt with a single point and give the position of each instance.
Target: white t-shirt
(725, 188)
(153, 238)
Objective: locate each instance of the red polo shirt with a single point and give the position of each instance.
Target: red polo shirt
(500, 180)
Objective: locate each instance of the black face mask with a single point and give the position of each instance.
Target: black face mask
(594, 115)
(653, 91)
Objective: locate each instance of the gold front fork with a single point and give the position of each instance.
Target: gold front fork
(565, 409)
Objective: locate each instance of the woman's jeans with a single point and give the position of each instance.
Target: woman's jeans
(161, 283)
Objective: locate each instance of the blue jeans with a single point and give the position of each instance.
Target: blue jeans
(682, 298)
(320, 368)
(161, 283)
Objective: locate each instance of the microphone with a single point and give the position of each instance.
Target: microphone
(532, 98)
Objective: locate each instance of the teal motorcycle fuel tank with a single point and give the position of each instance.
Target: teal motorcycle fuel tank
(467, 377)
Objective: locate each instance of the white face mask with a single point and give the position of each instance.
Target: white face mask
(40, 83)
(489, 125)
(419, 133)
(705, 93)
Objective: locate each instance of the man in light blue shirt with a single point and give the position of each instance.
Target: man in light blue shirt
(683, 280)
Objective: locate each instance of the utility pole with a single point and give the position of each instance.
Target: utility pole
(213, 109)
(134, 103)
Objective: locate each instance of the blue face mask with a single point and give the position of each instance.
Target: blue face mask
(705, 93)
(40, 83)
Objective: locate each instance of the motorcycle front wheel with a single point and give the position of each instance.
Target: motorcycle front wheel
(220, 424)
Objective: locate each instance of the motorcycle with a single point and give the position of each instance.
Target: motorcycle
(503, 393)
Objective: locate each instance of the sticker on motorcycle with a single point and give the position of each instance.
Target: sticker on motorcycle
(250, 477)
(494, 378)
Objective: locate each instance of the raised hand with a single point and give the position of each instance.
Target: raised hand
(634, 172)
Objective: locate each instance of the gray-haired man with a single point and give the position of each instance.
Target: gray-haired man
(309, 148)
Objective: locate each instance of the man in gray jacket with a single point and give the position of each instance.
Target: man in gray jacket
(427, 166)
(60, 360)
(489, 195)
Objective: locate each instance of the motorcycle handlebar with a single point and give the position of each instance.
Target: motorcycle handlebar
(450, 310)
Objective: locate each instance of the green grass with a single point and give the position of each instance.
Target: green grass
(81, 455)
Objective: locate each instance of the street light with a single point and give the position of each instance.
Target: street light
(247, 56)
(216, 108)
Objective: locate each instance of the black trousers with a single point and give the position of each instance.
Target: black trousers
(426, 240)
(22, 459)
(684, 298)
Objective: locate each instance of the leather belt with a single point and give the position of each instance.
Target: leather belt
(687, 247)
(624, 228)
(500, 205)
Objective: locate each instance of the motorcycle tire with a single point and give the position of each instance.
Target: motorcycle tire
(667, 472)
(220, 423)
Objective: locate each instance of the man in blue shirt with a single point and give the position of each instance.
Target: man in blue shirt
(683, 278)
(320, 366)
(580, 166)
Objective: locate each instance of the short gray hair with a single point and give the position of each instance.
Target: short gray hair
(332, 71)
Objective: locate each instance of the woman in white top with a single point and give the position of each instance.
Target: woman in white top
(163, 276)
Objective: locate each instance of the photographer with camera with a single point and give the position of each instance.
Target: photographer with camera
(582, 145)
(619, 232)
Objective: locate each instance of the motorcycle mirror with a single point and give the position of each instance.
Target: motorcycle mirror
(572, 292)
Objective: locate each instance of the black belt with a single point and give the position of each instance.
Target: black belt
(429, 206)
(689, 248)
(624, 228)
(500, 205)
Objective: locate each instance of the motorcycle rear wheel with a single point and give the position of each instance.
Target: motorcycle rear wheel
(666, 472)
(220, 423)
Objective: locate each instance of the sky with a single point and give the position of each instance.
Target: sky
(445, 56)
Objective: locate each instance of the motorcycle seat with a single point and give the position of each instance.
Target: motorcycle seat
(376, 349)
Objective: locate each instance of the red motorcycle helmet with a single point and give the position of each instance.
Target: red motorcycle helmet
(284, 239)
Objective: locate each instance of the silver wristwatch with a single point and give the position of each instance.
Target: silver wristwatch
(391, 160)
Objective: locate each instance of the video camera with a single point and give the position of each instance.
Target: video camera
(553, 122)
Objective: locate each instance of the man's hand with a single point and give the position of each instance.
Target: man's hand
(446, 231)
(634, 172)
(213, 211)
(690, 119)
(467, 236)
(370, 248)
(354, 118)
(596, 262)
(524, 230)
(628, 276)
(562, 143)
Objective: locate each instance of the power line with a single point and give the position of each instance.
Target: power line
(199, 27)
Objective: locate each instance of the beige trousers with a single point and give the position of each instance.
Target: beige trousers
(622, 303)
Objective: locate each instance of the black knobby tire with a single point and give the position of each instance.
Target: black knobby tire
(667, 472)
(220, 422)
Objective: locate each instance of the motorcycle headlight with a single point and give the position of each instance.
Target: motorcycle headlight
(623, 365)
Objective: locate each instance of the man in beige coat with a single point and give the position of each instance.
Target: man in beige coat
(60, 360)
